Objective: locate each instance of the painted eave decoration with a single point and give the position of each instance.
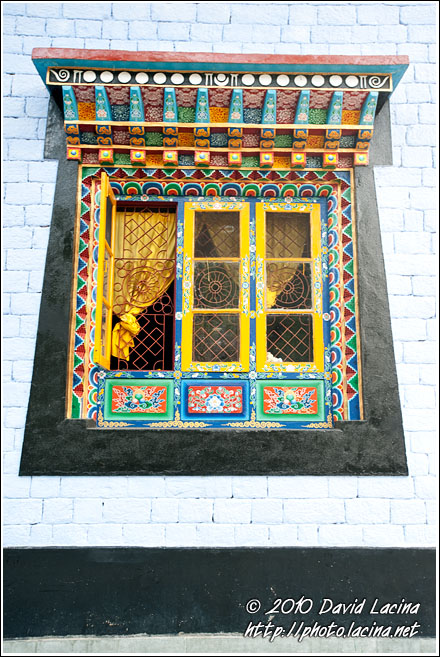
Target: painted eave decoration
(197, 110)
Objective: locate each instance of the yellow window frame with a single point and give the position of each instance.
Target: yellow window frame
(263, 365)
(102, 352)
(188, 365)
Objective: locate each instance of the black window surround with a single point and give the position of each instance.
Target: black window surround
(54, 445)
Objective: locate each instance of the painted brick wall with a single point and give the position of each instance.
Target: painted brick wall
(227, 511)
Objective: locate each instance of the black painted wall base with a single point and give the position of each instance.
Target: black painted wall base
(54, 445)
(123, 591)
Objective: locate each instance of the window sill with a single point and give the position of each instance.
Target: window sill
(78, 447)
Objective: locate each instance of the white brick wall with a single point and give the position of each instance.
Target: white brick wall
(227, 511)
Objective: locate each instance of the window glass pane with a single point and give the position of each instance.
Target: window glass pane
(108, 222)
(217, 235)
(145, 233)
(216, 284)
(216, 337)
(288, 285)
(289, 338)
(104, 328)
(139, 283)
(105, 283)
(152, 346)
(287, 235)
(143, 304)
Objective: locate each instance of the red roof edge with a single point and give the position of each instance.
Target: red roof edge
(140, 56)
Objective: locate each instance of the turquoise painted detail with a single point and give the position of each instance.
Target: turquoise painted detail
(170, 105)
(236, 107)
(202, 106)
(302, 109)
(334, 115)
(136, 105)
(369, 109)
(270, 107)
(103, 110)
(69, 104)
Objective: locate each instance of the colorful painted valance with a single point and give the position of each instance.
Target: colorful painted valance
(183, 110)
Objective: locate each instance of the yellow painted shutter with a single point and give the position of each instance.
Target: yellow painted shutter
(264, 362)
(190, 313)
(104, 296)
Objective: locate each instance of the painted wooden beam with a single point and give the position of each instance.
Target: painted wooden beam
(103, 114)
(270, 107)
(368, 112)
(236, 116)
(138, 157)
(137, 115)
(170, 115)
(301, 117)
(170, 105)
(202, 134)
(267, 141)
(202, 106)
(70, 105)
(334, 117)
(70, 108)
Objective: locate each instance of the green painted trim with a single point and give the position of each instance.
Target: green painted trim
(167, 383)
(43, 64)
(292, 383)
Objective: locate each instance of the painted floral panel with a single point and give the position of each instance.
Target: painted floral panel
(139, 399)
(215, 399)
(290, 401)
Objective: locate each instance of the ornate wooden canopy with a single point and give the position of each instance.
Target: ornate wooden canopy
(193, 110)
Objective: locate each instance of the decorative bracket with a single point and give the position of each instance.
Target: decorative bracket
(300, 135)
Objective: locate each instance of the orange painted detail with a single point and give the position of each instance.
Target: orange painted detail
(219, 114)
(86, 111)
(350, 117)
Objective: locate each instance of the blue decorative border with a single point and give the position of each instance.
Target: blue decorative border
(248, 380)
(219, 419)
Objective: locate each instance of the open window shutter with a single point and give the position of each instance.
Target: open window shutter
(104, 296)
